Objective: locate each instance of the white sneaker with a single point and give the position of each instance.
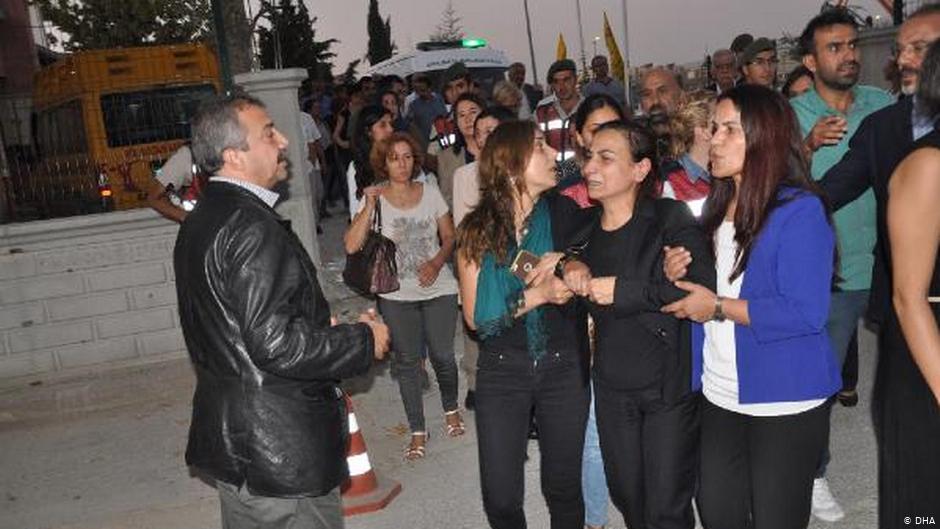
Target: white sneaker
(825, 506)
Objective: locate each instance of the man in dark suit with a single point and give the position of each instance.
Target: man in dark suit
(269, 421)
(880, 143)
(878, 146)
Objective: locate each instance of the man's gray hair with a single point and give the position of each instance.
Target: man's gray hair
(216, 128)
(720, 52)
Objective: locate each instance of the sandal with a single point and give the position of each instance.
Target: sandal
(454, 429)
(417, 449)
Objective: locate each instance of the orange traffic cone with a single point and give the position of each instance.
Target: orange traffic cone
(364, 491)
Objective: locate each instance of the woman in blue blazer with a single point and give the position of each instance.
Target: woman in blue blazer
(761, 354)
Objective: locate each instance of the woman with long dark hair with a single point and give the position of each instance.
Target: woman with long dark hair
(466, 196)
(374, 125)
(464, 148)
(647, 411)
(762, 357)
(533, 338)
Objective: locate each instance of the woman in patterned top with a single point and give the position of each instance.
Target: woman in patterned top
(421, 314)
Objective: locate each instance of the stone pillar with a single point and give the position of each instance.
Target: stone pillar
(278, 90)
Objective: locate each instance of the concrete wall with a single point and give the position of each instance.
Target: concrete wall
(99, 290)
(87, 290)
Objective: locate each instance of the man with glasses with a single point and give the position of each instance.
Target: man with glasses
(881, 141)
(875, 150)
(758, 63)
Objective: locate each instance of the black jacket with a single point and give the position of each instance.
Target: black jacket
(266, 410)
(642, 289)
(876, 149)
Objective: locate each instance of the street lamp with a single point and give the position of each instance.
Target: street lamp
(596, 40)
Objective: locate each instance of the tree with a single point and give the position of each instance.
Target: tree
(94, 24)
(349, 75)
(237, 35)
(289, 41)
(788, 46)
(449, 28)
(380, 35)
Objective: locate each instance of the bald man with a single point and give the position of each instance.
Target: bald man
(660, 95)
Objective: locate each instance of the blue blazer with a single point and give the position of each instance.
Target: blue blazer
(784, 354)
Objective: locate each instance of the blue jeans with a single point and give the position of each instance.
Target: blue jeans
(845, 310)
(593, 481)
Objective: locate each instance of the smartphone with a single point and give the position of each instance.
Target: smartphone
(524, 263)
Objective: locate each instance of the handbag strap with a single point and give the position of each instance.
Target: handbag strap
(377, 216)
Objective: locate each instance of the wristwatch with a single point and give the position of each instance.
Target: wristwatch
(560, 265)
(719, 314)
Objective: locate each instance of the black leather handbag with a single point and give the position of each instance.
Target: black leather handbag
(372, 270)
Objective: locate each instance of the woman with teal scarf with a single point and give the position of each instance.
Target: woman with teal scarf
(533, 335)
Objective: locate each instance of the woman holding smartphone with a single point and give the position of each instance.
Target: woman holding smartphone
(533, 338)
(762, 357)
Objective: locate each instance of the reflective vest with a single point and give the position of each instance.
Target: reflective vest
(678, 186)
(191, 193)
(445, 132)
(557, 130)
(187, 197)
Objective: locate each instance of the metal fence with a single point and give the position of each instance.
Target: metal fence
(36, 186)
(36, 189)
(62, 163)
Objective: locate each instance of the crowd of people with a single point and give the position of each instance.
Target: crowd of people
(668, 298)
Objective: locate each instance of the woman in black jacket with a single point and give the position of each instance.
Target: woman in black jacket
(647, 413)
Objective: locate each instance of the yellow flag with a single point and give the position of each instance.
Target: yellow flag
(562, 50)
(616, 60)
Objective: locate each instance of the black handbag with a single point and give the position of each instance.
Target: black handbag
(372, 269)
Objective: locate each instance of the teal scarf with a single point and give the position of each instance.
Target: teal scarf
(498, 289)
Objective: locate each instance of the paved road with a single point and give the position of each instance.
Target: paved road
(104, 451)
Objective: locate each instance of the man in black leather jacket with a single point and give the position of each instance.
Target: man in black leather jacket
(269, 422)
